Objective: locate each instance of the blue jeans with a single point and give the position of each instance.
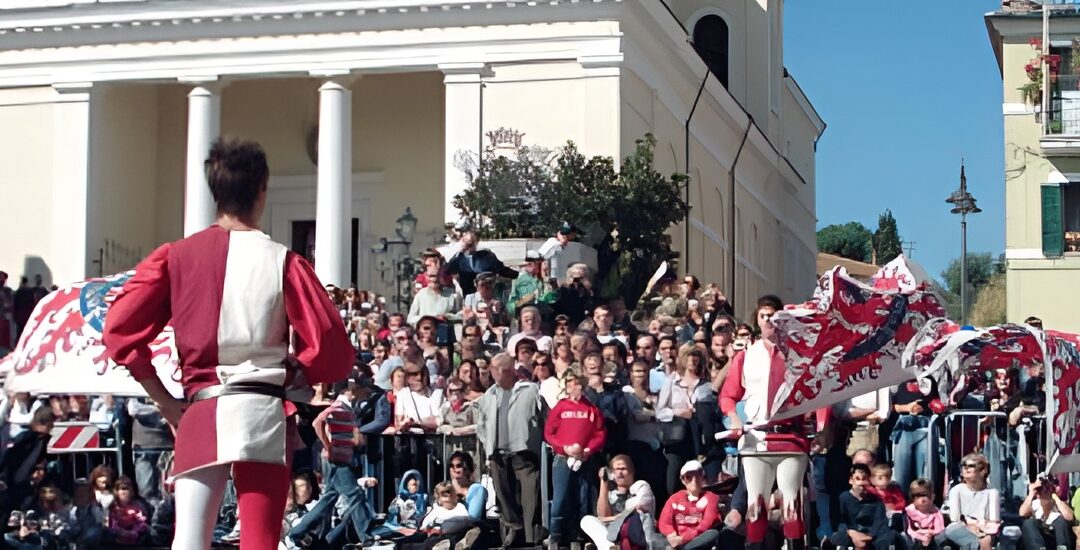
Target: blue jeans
(910, 438)
(569, 499)
(830, 480)
(339, 480)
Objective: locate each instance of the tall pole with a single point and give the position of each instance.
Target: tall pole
(963, 270)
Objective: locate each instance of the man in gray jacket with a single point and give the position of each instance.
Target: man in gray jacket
(510, 428)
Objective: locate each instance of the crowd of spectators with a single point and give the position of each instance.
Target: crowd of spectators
(439, 436)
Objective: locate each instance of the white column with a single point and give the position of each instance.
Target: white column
(463, 126)
(72, 229)
(204, 126)
(333, 200)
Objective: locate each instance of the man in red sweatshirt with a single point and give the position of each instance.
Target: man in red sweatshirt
(575, 432)
(689, 515)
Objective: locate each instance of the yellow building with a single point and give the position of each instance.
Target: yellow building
(1042, 161)
(106, 109)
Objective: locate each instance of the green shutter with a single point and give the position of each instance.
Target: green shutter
(1053, 234)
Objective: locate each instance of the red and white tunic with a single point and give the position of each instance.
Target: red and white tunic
(756, 375)
(231, 297)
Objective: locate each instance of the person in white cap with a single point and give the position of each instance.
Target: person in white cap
(689, 516)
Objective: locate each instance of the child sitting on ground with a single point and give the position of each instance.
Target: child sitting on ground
(925, 523)
(883, 487)
(129, 520)
(449, 515)
(862, 516)
(406, 510)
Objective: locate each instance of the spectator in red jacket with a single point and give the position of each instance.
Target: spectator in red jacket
(689, 515)
(575, 431)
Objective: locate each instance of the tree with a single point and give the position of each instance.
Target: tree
(989, 308)
(887, 244)
(850, 240)
(530, 195)
(980, 267)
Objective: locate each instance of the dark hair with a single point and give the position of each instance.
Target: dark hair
(620, 349)
(309, 476)
(856, 468)
(770, 300)
(465, 459)
(43, 416)
(921, 485)
(525, 342)
(237, 172)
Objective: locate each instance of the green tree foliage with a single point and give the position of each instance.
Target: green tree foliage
(850, 240)
(989, 308)
(530, 196)
(980, 267)
(887, 245)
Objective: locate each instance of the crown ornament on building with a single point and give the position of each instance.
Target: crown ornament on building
(504, 138)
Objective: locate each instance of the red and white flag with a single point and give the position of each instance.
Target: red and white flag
(847, 341)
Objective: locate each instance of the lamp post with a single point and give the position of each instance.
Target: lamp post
(963, 203)
(404, 266)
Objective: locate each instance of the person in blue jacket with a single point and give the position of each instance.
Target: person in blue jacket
(407, 510)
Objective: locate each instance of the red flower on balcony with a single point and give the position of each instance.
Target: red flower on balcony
(1035, 42)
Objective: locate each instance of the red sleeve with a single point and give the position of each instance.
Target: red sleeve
(712, 514)
(666, 526)
(732, 391)
(139, 314)
(551, 429)
(824, 417)
(321, 344)
(599, 432)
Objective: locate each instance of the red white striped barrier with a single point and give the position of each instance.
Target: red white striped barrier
(67, 439)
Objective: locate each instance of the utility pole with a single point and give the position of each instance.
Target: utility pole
(910, 245)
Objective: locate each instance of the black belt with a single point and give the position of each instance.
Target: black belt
(257, 388)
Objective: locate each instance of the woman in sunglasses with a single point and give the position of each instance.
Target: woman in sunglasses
(974, 508)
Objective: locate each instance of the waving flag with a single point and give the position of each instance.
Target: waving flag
(941, 343)
(847, 341)
(61, 350)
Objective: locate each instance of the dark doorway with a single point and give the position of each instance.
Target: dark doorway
(303, 243)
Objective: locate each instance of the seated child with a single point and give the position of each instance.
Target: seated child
(406, 510)
(890, 493)
(129, 520)
(862, 516)
(449, 515)
(925, 523)
(86, 517)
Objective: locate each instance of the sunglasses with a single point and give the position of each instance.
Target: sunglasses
(456, 390)
(917, 495)
(971, 465)
(456, 465)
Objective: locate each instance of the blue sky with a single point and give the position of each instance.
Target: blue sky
(906, 91)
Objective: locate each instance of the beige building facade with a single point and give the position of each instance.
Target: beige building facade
(1042, 165)
(363, 107)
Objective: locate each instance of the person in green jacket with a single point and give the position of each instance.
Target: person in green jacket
(530, 289)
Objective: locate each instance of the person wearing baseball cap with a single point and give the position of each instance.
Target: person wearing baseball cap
(529, 287)
(689, 515)
(553, 249)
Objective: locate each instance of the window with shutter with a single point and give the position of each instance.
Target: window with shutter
(1053, 233)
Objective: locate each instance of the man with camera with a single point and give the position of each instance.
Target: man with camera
(1047, 518)
(625, 509)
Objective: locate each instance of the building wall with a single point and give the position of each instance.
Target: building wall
(123, 168)
(553, 103)
(1034, 285)
(774, 209)
(43, 178)
(26, 164)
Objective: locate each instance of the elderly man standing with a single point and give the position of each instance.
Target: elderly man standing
(509, 427)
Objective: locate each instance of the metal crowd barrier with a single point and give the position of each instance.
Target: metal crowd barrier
(76, 444)
(388, 470)
(960, 432)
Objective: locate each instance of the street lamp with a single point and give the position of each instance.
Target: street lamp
(404, 266)
(963, 204)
